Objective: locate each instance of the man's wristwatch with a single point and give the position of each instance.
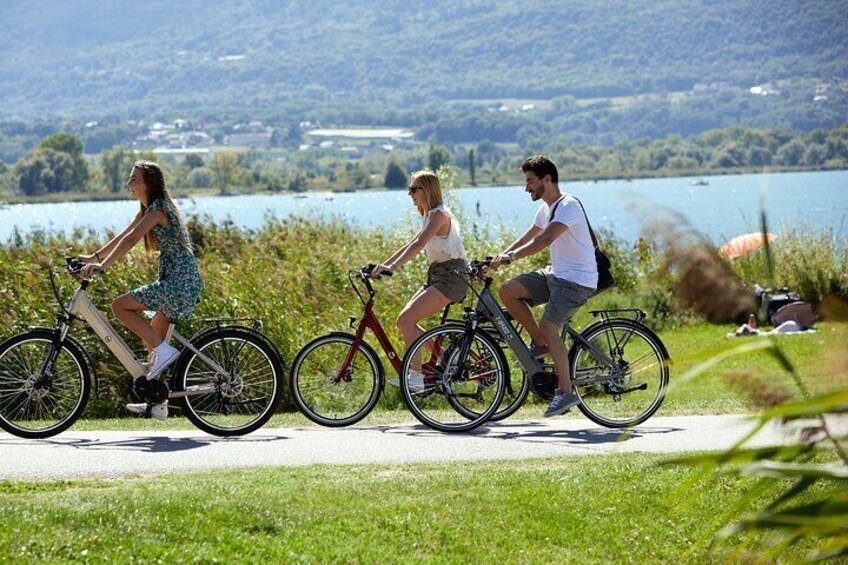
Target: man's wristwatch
(510, 255)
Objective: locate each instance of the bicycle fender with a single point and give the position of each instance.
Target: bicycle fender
(245, 329)
(92, 368)
(203, 331)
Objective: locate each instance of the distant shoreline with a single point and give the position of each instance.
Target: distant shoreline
(60, 197)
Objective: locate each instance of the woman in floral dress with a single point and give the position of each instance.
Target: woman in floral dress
(175, 295)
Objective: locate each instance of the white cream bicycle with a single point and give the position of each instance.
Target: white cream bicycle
(228, 378)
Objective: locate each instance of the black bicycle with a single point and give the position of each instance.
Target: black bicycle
(619, 366)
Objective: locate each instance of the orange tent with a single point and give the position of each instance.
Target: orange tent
(743, 244)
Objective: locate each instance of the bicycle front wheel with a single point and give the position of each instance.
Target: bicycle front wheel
(326, 392)
(38, 401)
(621, 378)
(517, 386)
(241, 393)
(463, 378)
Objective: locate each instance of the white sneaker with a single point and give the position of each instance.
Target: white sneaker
(158, 411)
(416, 382)
(164, 355)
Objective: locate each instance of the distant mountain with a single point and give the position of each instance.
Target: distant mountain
(81, 58)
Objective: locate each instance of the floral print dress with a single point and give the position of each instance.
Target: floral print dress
(177, 291)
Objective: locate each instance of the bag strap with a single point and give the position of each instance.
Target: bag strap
(588, 224)
(554, 207)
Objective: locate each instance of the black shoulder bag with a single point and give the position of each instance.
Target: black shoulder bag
(605, 279)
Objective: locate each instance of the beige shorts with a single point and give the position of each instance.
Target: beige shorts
(450, 278)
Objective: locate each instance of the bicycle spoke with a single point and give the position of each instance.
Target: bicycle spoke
(242, 397)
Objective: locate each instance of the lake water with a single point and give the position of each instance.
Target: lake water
(724, 207)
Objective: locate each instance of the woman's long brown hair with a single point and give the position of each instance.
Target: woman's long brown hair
(154, 179)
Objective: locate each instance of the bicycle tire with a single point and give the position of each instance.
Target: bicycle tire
(331, 403)
(517, 387)
(21, 359)
(601, 401)
(445, 387)
(244, 400)
(512, 402)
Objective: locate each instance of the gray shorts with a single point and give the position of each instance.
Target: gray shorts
(450, 278)
(564, 298)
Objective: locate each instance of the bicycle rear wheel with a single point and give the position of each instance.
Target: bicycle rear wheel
(240, 401)
(457, 394)
(324, 396)
(38, 404)
(631, 388)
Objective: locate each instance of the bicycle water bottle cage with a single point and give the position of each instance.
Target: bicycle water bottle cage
(152, 392)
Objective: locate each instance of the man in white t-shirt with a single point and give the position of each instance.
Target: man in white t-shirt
(561, 226)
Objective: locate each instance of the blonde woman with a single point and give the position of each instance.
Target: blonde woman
(447, 276)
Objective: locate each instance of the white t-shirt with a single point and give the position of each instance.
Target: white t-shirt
(572, 253)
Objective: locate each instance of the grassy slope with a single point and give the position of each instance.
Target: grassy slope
(590, 510)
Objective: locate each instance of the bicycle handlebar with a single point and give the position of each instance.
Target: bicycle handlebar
(365, 272)
(74, 265)
(479, 266)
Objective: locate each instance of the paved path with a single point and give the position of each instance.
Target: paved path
(116, 454)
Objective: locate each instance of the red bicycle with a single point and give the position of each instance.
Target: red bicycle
(336, 379)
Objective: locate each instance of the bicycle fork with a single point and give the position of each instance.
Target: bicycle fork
(62, 327)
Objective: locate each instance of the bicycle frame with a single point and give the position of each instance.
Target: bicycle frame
(486, 304)
(370, 321)
(81, 307)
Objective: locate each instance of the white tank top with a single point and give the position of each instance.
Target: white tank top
(444, 248)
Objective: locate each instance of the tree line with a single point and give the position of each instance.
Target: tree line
(58, 165)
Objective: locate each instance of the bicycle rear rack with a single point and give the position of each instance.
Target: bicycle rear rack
(635, 314)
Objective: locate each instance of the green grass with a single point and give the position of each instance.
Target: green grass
(599, 509)
(720, 389)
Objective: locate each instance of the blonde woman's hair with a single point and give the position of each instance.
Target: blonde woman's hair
(432, 189)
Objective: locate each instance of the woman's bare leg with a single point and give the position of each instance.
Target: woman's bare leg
(128, 310)
(422, 305)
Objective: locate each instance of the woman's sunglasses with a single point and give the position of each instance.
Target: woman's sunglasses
(413, 188)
